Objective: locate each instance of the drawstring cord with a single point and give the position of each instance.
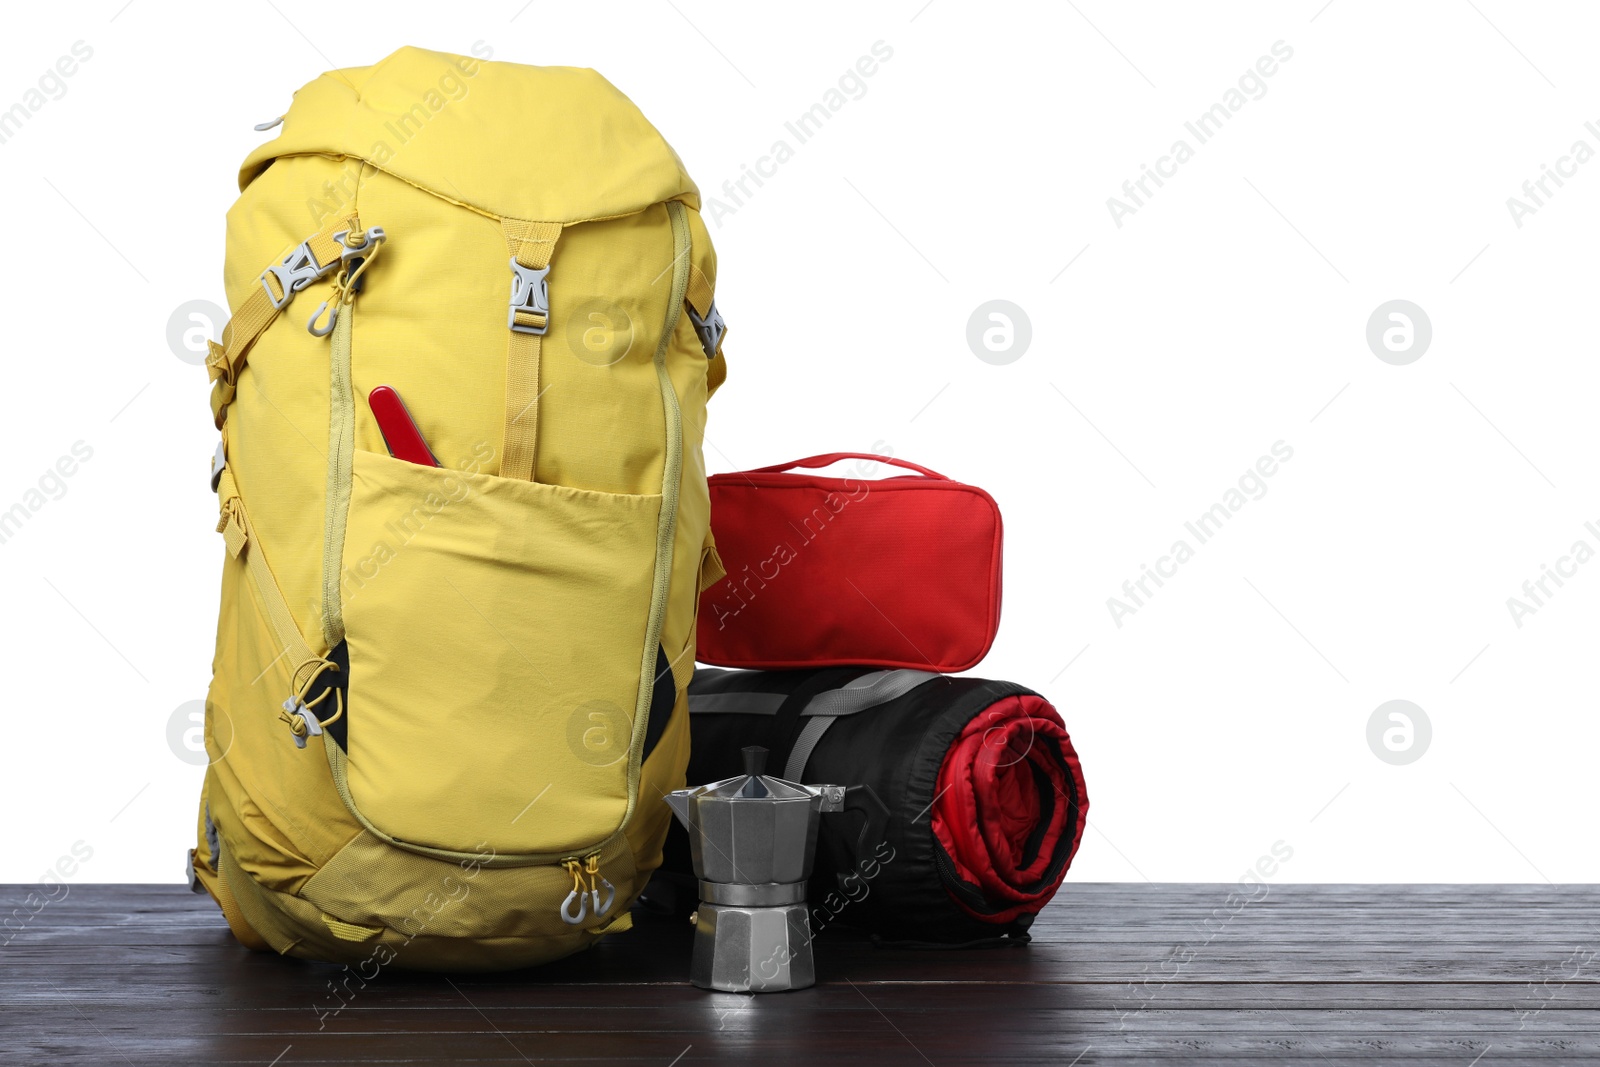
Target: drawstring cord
(346, 286)
(297, 711)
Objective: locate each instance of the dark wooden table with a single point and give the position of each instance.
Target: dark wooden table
(1117, 974)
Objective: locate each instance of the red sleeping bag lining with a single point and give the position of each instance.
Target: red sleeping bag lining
(1001, 807)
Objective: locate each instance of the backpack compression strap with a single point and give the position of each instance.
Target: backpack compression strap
(305, 666)
(530, 244)
(708, 324)
(314, 258)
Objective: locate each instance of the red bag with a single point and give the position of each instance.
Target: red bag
(900, 572)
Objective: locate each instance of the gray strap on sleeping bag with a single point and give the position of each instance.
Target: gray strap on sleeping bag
(735, 703)
(868, 691)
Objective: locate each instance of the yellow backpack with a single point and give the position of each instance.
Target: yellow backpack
(447, 700)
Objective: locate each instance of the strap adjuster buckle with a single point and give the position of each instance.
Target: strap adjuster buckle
(711, 328)
(219, 463)
(530, 299)
(298, 270)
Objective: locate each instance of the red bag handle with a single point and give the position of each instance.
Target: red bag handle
(834, 457)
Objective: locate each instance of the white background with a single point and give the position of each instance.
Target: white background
(1228, 313)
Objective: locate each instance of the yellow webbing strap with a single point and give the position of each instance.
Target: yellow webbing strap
(234, 525)
(699, 294)
(711, 569)
(621, 924)
(258, 311)
(716, 374)
(531, 244)
(242, 930)
(349, 931)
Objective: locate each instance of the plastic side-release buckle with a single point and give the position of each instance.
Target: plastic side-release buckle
(530, 299)
(298, 270)
(711, 328)
(219, 463)
(194, 879)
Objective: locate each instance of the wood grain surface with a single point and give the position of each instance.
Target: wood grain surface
(1117, 974)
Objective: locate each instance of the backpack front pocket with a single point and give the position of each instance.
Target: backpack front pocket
(497, 635)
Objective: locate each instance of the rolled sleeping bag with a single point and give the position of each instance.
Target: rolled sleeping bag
(985, 792)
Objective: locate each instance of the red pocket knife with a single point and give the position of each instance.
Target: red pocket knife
(399, 429)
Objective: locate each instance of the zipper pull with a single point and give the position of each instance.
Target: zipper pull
(579, 895)
(592, 867)
(358, 250)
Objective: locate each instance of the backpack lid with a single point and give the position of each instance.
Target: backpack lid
(556, 144)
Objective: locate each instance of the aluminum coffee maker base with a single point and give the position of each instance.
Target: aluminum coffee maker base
(752, 950)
